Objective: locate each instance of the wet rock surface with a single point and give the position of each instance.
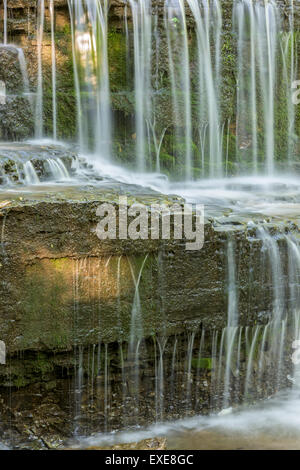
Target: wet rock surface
(10, 72)
(146, 444)
(22, 27)
(16, 120)
(43, 158)
(67, 299)
(69, 302)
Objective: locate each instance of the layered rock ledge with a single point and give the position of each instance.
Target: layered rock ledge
(67, 302)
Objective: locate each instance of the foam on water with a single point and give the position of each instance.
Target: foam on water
(274, 418)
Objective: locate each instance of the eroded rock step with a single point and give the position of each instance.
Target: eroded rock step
(67, 308)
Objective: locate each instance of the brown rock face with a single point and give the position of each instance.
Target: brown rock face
(69, 305)
(70, 302)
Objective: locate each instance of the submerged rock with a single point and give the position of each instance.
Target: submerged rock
(146, 444)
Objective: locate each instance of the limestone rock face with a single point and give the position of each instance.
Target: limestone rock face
(10, 72)
(16, 122)
(22, 29)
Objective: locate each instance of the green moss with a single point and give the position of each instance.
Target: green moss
(119, 61)
(46, 317)
(42, 366)
(202, 363)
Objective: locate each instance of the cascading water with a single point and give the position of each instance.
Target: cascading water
(258, 86)
(53, 58)
(89, 38)
(202, 138)
(289, 72)
(58, 169)
(175, 24)
(39, 118)
(23, 68)
(5, 22)
(244, 356)
(267, 32)
(271, 249)
(244, 363)
(232, 322)
(245, 13)
(30, 174)
(142, 18)
(208, 29)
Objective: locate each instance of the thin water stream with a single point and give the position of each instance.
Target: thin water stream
(222, 370)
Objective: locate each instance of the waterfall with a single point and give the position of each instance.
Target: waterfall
(53, 58)
(58, 169)
(250, 361)
(136, 320)
(127, 42)
(124, 385)
(294, 273)
(142, 28)
(208, 30)
(136, 329)
(30, 174)
(195, 134)
(179, 65)
(232, 285)
(23, 68)
(289, 75)
(106, 386)
(261, 358)
(190, 348)
(267, 34)
(232, 318)
(294, 291)
(159, 376)
(2, 93)
(157, 132)
(78, 385)
(262, 347)
(244, 13)
(271, 249)
(5, 22)
(90, 57)
(200, 351)
(259, 22)
(76, 78)
(173, 368)
(39, 94)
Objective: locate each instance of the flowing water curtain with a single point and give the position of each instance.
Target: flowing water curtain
(232, 316)
(53, 59)
(294, 291)
(246, 129)
(257, 360)
(289, 52)
(258, 87)
(39, 118)
(267, 34)
(23, 68)
(142, 34)
(179, 67)
(5, 22)
(208, 20)
(91, 75)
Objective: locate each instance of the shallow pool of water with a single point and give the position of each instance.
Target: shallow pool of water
(272, 424)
